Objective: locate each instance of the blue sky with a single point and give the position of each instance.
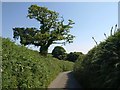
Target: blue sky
(92, 19)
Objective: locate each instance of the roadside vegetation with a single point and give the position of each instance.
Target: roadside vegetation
(100, 68)
(25, 68)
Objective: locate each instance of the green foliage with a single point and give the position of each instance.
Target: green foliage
(25, 68)
(52, 29)
(101, 66)
(59, 52)
(74, 56)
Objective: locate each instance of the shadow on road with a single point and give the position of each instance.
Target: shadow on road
(71, 82)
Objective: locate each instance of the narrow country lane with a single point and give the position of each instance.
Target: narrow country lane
(65, 80)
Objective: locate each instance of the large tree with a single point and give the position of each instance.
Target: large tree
(52, 29)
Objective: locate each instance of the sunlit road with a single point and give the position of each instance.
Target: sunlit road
(65, 80)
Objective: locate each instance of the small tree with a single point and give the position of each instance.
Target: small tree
(52, 29)
(59, 52)
(73, 56)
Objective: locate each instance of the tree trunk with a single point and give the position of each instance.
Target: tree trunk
(44, 50)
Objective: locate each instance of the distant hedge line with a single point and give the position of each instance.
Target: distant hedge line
(100, 68)
(25, 68)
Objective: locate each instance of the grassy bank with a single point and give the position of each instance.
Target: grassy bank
(25, 68)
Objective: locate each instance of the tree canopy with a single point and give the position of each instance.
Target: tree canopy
(52, 29)
(59, 52)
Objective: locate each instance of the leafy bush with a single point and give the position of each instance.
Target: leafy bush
(74, 56)
(59, 52)
(101, 66)
(25, 68)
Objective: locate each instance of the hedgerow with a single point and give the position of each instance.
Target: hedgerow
(100, 68)
(25, 68)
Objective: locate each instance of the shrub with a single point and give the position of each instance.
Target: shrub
(74, 56)
(25, 68)
(59, 52)
(101, 66)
